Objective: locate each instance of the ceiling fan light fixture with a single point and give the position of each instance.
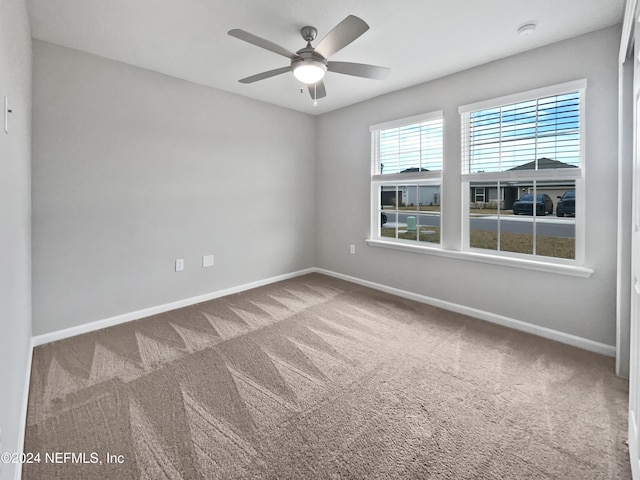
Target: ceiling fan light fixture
(309, 71)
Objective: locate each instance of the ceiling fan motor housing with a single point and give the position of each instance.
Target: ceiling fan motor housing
(309, 33)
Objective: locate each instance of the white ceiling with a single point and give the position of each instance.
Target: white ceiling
(418, 39)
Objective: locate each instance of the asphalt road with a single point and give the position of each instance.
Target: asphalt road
(549, 225)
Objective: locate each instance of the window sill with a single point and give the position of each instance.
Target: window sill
(548, 267)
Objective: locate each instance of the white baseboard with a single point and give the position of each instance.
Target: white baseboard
(584, 343)
(146, 312)
(23, 411)
(634, 448)
(545, 332)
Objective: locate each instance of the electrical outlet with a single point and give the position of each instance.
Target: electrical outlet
(207, 261)
(179, 264)
(352, 249)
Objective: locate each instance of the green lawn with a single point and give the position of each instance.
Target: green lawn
(427, 234)
(509, 242)
(523, 243)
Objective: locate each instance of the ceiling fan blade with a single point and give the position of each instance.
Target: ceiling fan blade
(317, 90)
(267, 74)
(261, 42)
(342, 35)
(359, 70)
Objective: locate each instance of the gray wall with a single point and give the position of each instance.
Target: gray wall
(133, 169)
(15, 223)
(583, 307)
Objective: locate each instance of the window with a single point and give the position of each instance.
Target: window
(406, 180)
(521, 182)
(522, 174)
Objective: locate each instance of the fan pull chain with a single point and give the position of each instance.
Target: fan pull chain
(315, 95)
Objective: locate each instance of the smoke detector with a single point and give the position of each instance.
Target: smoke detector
(527, 29)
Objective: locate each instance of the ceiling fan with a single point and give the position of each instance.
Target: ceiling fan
(309, 64)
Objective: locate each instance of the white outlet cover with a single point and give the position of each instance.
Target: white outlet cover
(207, 261)
(179, 264)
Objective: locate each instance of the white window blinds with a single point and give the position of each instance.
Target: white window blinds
(542, 133)
(408, 147)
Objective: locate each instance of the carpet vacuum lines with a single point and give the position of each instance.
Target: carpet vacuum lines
(316, 377)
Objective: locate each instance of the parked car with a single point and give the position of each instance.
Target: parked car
(383, 218)
(566, 204)
(524, 205)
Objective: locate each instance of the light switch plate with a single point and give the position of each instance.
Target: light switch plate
(5, 114)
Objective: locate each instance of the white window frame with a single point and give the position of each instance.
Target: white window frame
(455, 247)
(419, 178)
(577, 174)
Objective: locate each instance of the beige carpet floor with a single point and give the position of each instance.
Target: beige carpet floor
(317, 378)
